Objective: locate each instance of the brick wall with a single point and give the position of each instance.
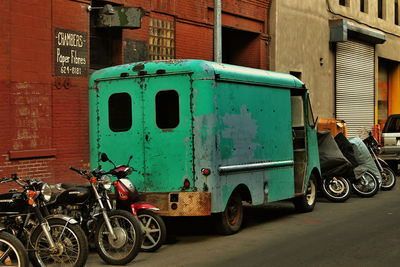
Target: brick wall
(44, 128)
(44, 117)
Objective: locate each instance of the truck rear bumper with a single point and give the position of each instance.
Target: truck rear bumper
(180, 203)
(390, 153)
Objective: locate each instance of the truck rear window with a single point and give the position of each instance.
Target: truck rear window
(120, 112)
(393, 126)
(167, 109)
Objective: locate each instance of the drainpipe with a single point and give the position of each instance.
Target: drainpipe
(217, 32)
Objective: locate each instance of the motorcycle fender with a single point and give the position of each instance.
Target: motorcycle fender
(62, 217)
(143, 206)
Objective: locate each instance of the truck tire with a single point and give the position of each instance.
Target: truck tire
(306, 202)
(230, 220)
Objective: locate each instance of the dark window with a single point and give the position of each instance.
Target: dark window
(296, 74)
(105, 43)
(362, 6)
(380, 9)
(167, 109)
(342, 2)
(120, 112)
(396, 12)
(310, 115)
(394, 125)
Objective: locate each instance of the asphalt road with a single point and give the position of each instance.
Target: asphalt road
(360, 232)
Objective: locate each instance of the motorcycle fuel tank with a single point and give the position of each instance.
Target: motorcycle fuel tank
(12, 202)
(74, 196)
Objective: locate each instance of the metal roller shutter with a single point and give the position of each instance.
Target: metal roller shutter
(355, 86)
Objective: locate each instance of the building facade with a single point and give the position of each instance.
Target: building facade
(346, 51)
(50, 47)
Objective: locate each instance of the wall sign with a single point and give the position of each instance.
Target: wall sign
(71, 53)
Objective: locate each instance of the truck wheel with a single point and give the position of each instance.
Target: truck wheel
(306, 202)
(230, 220)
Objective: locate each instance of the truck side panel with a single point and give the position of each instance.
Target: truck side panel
(254, 125)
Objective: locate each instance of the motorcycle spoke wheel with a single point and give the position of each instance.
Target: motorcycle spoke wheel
(366, 186)
(388, 179)
(124, 248)
(12, 252)
(68, 248)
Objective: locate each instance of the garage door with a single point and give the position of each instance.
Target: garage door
(355, 86)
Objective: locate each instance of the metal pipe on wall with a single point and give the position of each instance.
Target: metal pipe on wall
(217, 31)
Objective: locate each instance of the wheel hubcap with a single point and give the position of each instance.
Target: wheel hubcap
(120, 238)
(311, 192)
(233, 212)
(336, 186)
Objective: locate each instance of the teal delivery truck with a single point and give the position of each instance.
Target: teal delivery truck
(206, 137)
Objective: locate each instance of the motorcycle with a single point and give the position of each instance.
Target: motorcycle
(387, 174)
(116, 234)
(335, 169)
(12, 251)
(127, 198)
(366, 179)
(50, 239)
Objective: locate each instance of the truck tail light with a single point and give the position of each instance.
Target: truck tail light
(205, 171)
(186, 184)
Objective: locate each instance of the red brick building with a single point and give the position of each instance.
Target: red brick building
(49, 48)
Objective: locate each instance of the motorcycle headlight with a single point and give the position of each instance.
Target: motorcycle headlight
(106, 181)
(46, 192)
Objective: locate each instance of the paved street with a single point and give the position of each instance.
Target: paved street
(360, 232)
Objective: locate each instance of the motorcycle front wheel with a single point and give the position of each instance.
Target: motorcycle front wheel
(12, 251)
(366, 186)
(71, 247)
(128, 238)
(388, 179)
(154, 228)
(336, 189)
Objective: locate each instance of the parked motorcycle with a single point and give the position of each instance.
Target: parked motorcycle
(117, 234)
(366, 178)
(50, 239)
(127, 198)
(335, 169)
(12, 251)
(387, 174)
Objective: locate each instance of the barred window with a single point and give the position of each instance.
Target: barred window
(162, 39)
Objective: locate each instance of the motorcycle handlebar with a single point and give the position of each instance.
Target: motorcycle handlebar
(80, 172)
(6, 180)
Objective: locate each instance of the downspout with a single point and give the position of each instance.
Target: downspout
(268, 34)
(217, 32)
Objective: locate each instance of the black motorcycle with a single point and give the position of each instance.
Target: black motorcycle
(387, 174)
(336, 170)
(117, 234)
(50, 239)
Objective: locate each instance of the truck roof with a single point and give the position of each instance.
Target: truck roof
(200, 70)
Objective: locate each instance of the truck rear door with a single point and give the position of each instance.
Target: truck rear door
(149, 118)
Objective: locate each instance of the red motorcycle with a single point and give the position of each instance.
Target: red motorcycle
(127, 198)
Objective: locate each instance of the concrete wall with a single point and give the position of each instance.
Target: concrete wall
(300, 42)
(300, 38)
